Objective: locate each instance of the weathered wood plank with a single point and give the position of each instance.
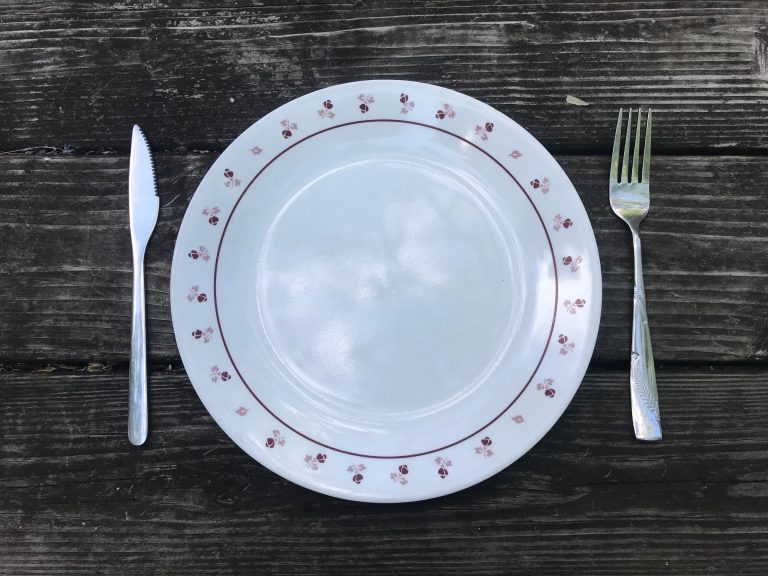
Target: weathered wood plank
(76, 498)
(195, 76)
(65, 275)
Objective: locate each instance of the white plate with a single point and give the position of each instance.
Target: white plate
(385, 291)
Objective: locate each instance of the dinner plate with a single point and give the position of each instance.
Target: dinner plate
(385, 291)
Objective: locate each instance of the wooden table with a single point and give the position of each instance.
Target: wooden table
(76, 498)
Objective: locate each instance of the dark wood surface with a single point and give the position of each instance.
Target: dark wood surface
(588, 499)
(76, 498)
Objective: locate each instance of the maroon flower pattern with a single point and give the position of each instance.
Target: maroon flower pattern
(518, 419)
(565, 345)
(399, 477)
(231, 181)
(407, 103)
(195, 294)
(212, 214)
(516, 154)
(356, 470)
(543, 184)
(366, 101)
(288, 128)
(242, 411)
(217, 374)
(573, 306)
(560, 222)
(446, 111)
(485, 447)
(256, 150)
(574, 263)
(327, 110)
(484, 130)
(547, 386)
(313, 462)
(442, 466)
(204, 335)
(201, 253)
(276, 439)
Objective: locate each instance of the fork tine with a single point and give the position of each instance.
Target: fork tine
(647, 151)
(616, 145)
(636, 155)
(625, 153)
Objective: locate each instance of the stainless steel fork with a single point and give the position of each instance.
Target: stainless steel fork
(630, 200)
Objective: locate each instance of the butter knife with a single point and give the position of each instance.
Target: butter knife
(144, 206)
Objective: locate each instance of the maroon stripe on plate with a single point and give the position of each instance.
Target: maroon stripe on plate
(283, 422)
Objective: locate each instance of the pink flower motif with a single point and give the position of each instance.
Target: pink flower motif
(231, 181)
(212, 214)
(573, 306)
(560, 222)
(201, 252)
(217, 374)
(242, 411)
(204, 335)
(574, 263)
(516, 154)
(356, 471)
(276, 439)
(518, 419)
(256, 150)
(313, 462)
(565, 346)
(366, 101)
(546, 385)
(288, 128)
(326, 111)
(400, 476)
(442, 466)
(408, 104)
(485, 447)
(447, 111)
(484, 130)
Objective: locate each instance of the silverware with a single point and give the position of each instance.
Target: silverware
(144, 207)
(630, 200)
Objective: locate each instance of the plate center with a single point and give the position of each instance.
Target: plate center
(386, 289)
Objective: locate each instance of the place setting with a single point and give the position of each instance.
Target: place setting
(388, 291)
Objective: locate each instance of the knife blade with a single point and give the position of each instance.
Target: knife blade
(144, 206)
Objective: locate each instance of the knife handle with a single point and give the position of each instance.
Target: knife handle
(138, 419)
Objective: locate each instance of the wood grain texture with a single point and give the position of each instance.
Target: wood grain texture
(195, 76)
(65, 278)
(77, 498)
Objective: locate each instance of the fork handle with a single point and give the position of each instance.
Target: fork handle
(642, 379)
(138, 419)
